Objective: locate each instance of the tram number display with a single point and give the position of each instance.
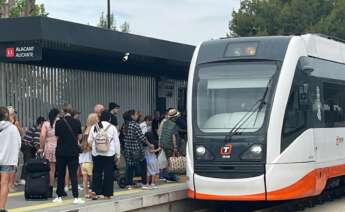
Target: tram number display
(225, 151)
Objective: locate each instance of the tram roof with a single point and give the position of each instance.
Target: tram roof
(71, 45)
(325, 47)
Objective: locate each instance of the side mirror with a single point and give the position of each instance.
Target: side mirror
(307, 69)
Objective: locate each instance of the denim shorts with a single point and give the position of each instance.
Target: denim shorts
(7, 169)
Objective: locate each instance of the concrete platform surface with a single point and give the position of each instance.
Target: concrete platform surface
(123, 200)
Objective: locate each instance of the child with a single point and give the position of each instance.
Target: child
(85, 158)
(86, 166)
(152, 162)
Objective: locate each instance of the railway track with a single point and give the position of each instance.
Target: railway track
(283, 206)
(302, 204)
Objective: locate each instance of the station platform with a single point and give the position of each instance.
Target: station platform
(123, 200)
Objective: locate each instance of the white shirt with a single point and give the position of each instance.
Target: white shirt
(145, 128)
(113, 135)
(85, 157)
(10, 143)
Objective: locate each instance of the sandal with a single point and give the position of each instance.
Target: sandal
(88, 196)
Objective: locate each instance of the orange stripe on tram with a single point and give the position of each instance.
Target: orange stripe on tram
(311, 184)
(254, 197)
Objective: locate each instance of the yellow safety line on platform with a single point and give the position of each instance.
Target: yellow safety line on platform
(68, 201)
(40, 206)
(15, 194)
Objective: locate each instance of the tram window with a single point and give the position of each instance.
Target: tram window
(295, 114)
(334, 104)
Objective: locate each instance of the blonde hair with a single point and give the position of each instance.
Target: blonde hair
(92, 119)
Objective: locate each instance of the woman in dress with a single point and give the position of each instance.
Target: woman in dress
(48, 142)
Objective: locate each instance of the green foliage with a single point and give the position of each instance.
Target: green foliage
(103, 23)
(334, 23)
(125, 27)
(286, 17)
(20, 9)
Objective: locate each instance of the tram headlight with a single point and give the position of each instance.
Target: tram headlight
(201, 153)
(253, 153)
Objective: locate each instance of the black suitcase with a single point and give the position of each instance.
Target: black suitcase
(37, 186)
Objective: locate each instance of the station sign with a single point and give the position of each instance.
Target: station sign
(13, 52)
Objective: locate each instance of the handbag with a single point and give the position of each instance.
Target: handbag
(177, 164)
(162, 160)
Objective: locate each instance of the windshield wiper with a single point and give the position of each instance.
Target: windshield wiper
(256, 108)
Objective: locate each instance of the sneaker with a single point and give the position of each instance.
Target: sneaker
(80, 188)
(78, 201)
(21, 182)
(146, 187)
(153, 186)
(66, 189)
(58, 200)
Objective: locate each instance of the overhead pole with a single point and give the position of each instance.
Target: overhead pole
(108, 15)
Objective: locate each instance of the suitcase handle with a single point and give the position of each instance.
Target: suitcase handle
(36, 175)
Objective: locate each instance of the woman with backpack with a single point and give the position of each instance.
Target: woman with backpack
(104, 140)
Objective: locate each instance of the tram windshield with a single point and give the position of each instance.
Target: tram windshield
(225, 93)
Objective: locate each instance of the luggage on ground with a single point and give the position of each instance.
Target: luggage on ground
(37, 186)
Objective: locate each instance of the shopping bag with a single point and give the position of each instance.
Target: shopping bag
(162, 160)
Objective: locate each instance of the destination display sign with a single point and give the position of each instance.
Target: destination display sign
(20, 52)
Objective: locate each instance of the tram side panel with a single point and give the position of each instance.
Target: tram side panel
(289, 172)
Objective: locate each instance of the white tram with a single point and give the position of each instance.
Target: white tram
(266, 118)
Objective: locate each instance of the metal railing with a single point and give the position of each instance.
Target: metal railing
(34, 90)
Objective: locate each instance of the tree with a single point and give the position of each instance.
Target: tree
(103, 23)
(125, 27)
(334, 24)
(19, 8)
(286, 17)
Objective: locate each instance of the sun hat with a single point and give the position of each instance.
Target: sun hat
(173, 113)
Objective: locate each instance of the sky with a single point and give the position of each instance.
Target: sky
(183, 21)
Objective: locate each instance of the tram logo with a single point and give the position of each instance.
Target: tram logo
(339, 140)
(225, 151)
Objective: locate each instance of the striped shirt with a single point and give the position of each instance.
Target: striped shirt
(32, 137)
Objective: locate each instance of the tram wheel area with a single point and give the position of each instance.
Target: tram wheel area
(279, 206)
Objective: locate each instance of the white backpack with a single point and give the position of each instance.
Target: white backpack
(102, 139)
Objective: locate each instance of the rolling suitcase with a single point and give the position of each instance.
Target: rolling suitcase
(37, 186)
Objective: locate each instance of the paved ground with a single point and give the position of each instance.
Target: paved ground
(334, 206)
(17, 203)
